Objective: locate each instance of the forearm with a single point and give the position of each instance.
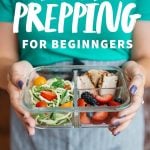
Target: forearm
(145, 63)
(8, 51)
(5, 65)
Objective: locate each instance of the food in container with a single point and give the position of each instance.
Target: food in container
(75, 96)
(54, 92)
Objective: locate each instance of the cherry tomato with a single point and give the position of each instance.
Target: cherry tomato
(68, 104)
(40, 80)
(50, 96)
(41, 104)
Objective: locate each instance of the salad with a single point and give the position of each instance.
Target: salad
(55, 92)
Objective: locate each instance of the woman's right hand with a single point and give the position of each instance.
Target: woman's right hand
(16, 80)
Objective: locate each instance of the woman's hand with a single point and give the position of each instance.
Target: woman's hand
(16, 79)
(134, 74)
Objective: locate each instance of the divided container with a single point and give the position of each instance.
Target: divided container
(76, 116)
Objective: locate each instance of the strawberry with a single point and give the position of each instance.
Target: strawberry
(108, 119)
(84, 119)
(110, 116)
(81, 102)
(41, 104)
(50, 96)
(114, 103)
(104, 99)
(99, 117)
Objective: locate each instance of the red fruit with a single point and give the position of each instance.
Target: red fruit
(99, 117)
(41, 104)
(104, 99)
(108, 119)
(81, 102)
(84, 119)
(110, 116)
(113, 103)
(48, 95)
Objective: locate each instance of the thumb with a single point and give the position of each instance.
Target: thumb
(136, 83)
(135, 73)
(19, 72)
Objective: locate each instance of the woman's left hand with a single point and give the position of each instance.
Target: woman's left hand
(135, 76)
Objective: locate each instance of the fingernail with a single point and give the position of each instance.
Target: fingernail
(116, 133)
(133, 89)
(31, 133)
(122, 116)
(20, 84)
(116, 123)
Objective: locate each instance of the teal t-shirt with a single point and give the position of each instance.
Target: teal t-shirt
(83, 29)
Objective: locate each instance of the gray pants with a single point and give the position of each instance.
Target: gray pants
(79, 139)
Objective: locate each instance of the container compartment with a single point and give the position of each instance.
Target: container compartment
(49, 96)
(58, 98)
(102, 93)
(53, 119)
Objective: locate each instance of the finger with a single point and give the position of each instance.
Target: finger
(29, 124)
(18, 73)
(132, 68)
(115, 121)
(121, 127)
(15, 101)
(31, 130)
(136, 103)
(30, 121)
(136, 83)
(135, 75)
(18, 108)
(17, 80)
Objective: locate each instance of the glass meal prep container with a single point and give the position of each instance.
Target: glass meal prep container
(75, 96)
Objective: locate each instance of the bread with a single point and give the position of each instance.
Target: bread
(92, 79)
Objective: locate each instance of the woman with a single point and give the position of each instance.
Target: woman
(12, 52)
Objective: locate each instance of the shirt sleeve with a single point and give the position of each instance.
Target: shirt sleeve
(143, 8)
(6, 11)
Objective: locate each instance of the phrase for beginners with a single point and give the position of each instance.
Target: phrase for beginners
(77, 44)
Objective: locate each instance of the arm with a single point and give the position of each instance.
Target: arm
(8, 51)
(137, 73)
(141, 48)
(16, 71)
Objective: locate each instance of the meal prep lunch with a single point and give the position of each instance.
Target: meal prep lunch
(91, 97)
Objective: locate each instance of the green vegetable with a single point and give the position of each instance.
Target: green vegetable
(59, 83)
(57, 86)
